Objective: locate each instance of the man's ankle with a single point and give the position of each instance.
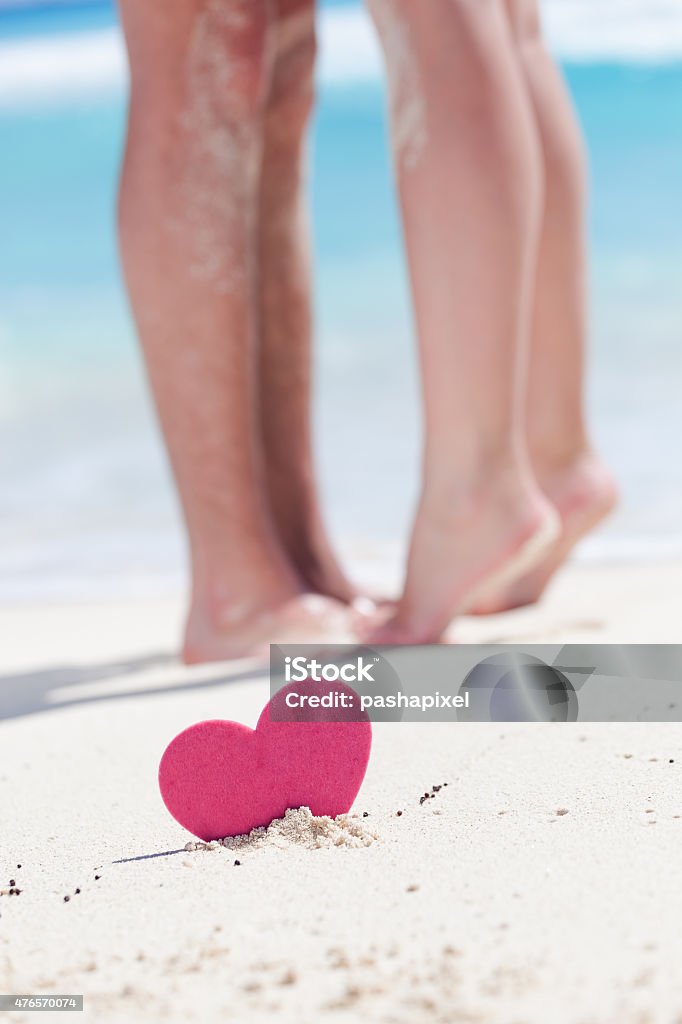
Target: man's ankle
(237, 593)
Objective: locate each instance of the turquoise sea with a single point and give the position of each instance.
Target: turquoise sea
(86, 503)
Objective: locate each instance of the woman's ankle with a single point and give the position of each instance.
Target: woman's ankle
(552, 449)
(450, 482)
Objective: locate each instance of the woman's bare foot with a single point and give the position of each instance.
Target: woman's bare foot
(463, 539)
(240, 632)
(572, 477)
(584, 492)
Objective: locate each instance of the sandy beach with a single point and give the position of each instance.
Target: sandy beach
(542, 884)
(280, 280)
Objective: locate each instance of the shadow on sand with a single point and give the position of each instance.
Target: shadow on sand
(27, 693)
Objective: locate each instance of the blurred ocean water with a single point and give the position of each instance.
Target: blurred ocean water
(86, 501)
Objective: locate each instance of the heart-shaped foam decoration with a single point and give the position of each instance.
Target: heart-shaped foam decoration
(220, 778)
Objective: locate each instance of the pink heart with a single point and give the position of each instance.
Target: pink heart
(220, 778)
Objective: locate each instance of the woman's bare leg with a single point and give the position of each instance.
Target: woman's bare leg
(285, 305)
(471, 187)
(188, 218)
(570, 472)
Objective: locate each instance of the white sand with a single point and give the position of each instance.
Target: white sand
(483, 904)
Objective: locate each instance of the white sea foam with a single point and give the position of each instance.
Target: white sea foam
(55, 68)
(93, 63)
(636, 30)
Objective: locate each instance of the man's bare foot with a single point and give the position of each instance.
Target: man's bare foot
(461, 542)
(241, 632)
(584, 492)
(311, 554)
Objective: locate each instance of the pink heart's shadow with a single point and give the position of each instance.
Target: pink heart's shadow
(220, 778)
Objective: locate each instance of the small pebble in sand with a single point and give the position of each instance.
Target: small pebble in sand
(671, 761)
(365, 814)
(77, 891)
(12, 881)
(237, 863)
(398, 814)
(412, 888)
(18, 865)
(562, 811)
(97, 878)
(66, 899)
